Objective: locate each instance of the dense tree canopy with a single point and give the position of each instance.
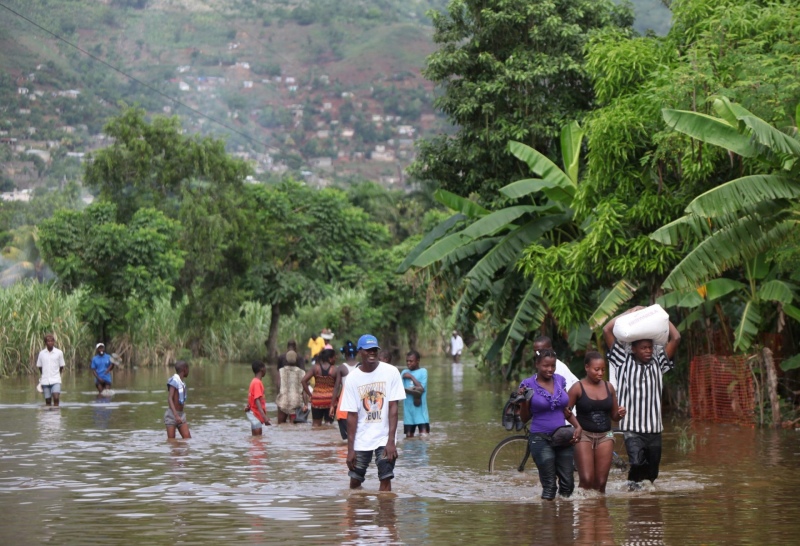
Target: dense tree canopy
(508, 70)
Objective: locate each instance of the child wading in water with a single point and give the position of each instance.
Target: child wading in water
(174, 417)
(256, 409)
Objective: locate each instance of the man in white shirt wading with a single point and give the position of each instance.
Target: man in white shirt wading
(50, 364)
(370, 399)
(456, 346)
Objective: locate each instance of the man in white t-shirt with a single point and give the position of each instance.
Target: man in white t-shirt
(456, 346)
(51, 364)
(370, 398)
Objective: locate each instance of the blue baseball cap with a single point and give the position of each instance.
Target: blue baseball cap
(368, 342)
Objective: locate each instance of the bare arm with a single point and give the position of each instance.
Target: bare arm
(306, 379)
(574, 394)
(617, 411)
(672, 343)
(413, 379)
(352, 426)
(391, 450)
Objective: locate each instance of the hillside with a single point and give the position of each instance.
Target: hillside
(328, 89)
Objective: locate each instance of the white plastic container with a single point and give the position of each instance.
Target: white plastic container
(648, 323)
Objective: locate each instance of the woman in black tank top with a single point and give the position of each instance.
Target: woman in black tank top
(596, 405)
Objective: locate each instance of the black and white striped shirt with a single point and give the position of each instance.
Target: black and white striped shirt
(639, 387)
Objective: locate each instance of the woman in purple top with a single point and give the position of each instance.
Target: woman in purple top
(546, 410)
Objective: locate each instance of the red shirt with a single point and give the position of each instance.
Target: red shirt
(256, 393)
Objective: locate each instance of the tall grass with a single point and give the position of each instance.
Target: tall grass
(30, 310)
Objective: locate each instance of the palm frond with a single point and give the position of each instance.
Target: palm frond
(619, 294)
(725, 248)
(571, 138)
(747, 329)
(436, 233)
(737, 194)
(553, 189)
(769, 136)
(460, 204)
(496, 221)
(709, 129)
(777, 290)
(539, 163)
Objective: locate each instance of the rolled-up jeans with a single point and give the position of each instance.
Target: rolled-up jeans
(555, 465)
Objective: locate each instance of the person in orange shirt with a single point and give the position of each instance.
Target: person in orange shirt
(256, 410)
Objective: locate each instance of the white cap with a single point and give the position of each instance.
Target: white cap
(103, 345)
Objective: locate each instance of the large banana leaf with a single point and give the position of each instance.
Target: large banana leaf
(730, 246)
(460, 204)
(777, 290)
(507, 251)
(711, 130)
(619, 294)
(792, 311)
(718, 288)
(434, 234)
(440, 249)
(553, 189)
(496, 221)
(469, 250)
(748, 190)
(540, 164)
(571, 138)
(747, 329)
(769, 136)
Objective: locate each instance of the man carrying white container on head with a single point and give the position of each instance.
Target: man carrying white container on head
(641, 345)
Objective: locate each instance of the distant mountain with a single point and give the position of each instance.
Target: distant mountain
(329, 89)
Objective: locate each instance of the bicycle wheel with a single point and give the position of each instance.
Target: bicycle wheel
(510, 454)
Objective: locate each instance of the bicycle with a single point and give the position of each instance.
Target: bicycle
(512, 453)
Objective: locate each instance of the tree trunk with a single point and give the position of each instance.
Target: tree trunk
(272, 339)
(772, 385)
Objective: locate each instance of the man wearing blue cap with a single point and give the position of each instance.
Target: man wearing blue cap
(370, 399)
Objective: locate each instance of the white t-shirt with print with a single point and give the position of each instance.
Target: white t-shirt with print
(369, 395)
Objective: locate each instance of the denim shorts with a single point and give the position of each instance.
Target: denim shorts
(50, 390)
(255, 424)
(363, 458)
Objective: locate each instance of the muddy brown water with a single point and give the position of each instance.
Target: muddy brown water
(102, 472)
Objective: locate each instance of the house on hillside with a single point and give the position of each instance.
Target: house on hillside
(247, 84)
(321, 162)
(405, 130)
(323, 133)
(382, 154)
(23, 90)
(24, 111)
(183, 68)
(243, 65)
(183, 86)
(17, 195)
(69, 93)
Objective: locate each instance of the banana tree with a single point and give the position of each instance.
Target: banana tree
(738, 220)
(487, 246)
(762, 300)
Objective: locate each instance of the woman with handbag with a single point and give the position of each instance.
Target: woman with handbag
(596, 404)
(550, 442)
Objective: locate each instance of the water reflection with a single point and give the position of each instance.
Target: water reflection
(113, 478)
(101, 412)
(371, 519)
(593, 523)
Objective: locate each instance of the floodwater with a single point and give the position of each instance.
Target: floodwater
(103, 472)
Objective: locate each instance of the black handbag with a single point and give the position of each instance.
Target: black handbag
(562, 436)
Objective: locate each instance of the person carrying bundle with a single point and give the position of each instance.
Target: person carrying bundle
(639, 365)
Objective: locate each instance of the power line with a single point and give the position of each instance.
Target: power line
(137, 80)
